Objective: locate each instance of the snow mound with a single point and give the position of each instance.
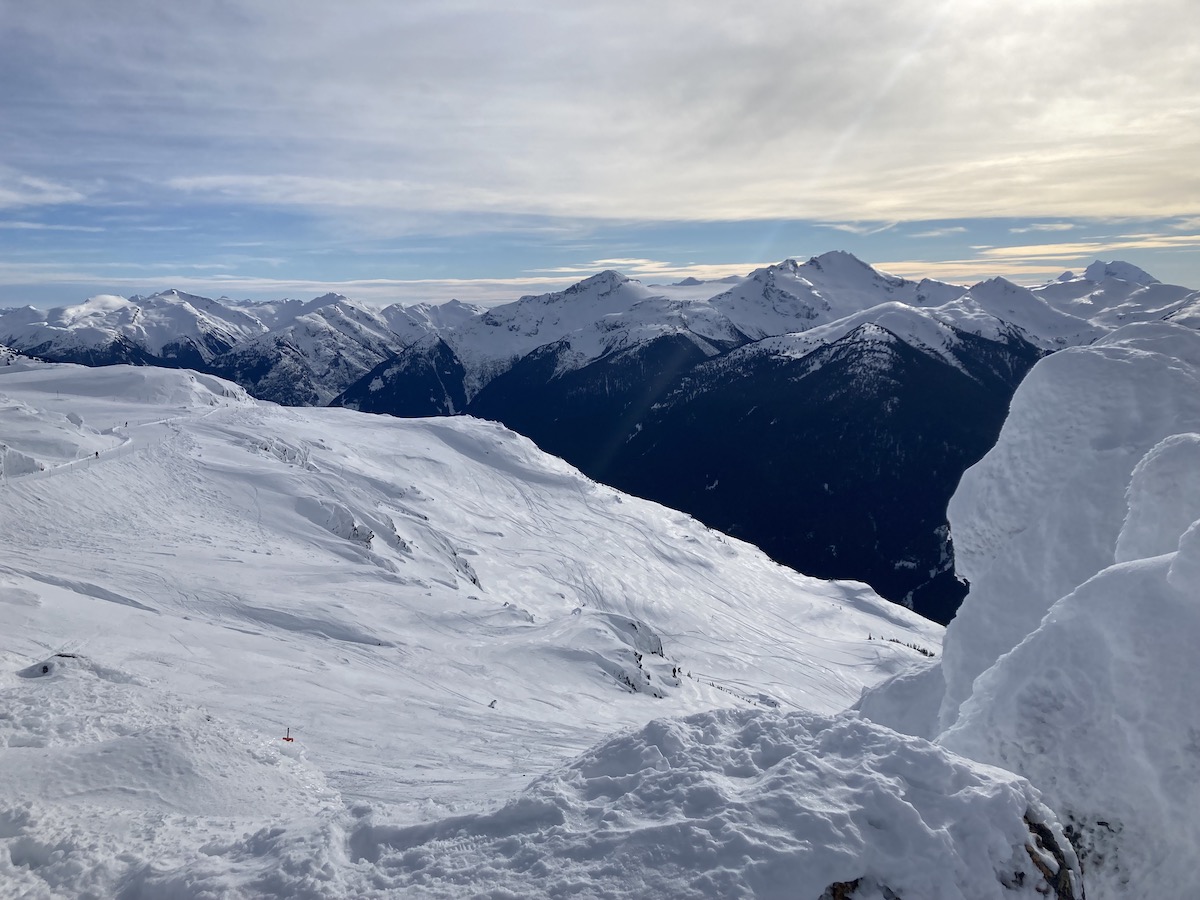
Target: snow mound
(908, 702)
(1097, 707)
(744, 803)
(1043, 511)
(1163, 497)
(1070, 661)
(33, 440)
(105, 783)
(144, 385)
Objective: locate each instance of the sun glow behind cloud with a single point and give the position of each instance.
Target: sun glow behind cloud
(384, 138)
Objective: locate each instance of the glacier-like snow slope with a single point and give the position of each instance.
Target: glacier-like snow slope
(930, 330)
(438, 611)
(1071, 659)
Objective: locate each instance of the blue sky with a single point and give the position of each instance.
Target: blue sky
(422, 151)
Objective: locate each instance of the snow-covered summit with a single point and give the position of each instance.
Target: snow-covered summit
(167, 326)
(1101, 271)
(1021, 307)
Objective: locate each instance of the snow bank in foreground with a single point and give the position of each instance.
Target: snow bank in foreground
(130, 793)
(1071, 660)
(1042, 512)
(743, 803)
(1099, 709)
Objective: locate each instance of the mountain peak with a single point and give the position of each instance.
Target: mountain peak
(997, 283)
(1099, 271)
(833, 258)
(602, 281)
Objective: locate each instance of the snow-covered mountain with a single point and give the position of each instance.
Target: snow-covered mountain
(839, 454)
(1070, 660)
(299, 353)
(608, 386)
(171, 329)
(312, 353)
(255, 651)
(603, 374)
(794, 296)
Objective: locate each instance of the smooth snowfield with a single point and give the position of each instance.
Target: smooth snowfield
(438, 611)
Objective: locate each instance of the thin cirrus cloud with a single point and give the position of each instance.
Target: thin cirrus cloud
(617, 109)
(940, 232)
(378, 120)
(1043, 226)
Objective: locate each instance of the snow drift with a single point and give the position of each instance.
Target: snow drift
(746, 804)
(1070, 661)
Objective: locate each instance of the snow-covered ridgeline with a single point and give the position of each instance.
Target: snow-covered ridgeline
(327, 343)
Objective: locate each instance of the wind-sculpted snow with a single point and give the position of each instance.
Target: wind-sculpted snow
(1098, 708)
(1070, 662)
(1042, 512)
(112, 787)
(439, 611)
(1163, 500)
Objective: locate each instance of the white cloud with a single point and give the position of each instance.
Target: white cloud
(21, 190)
(859, 228)
(660, 270)
(940, 232)
(1044, 226)
(42, 226)
(848, 111)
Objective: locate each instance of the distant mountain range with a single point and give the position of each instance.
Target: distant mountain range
(823, 410)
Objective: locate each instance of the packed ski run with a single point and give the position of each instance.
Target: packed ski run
(258, 651)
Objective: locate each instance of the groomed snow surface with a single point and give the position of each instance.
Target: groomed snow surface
(443, 617)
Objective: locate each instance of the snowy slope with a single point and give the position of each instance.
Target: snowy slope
(935, 331)
(312, 352)
(794, 296)
(225, 570)
(489, 344)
